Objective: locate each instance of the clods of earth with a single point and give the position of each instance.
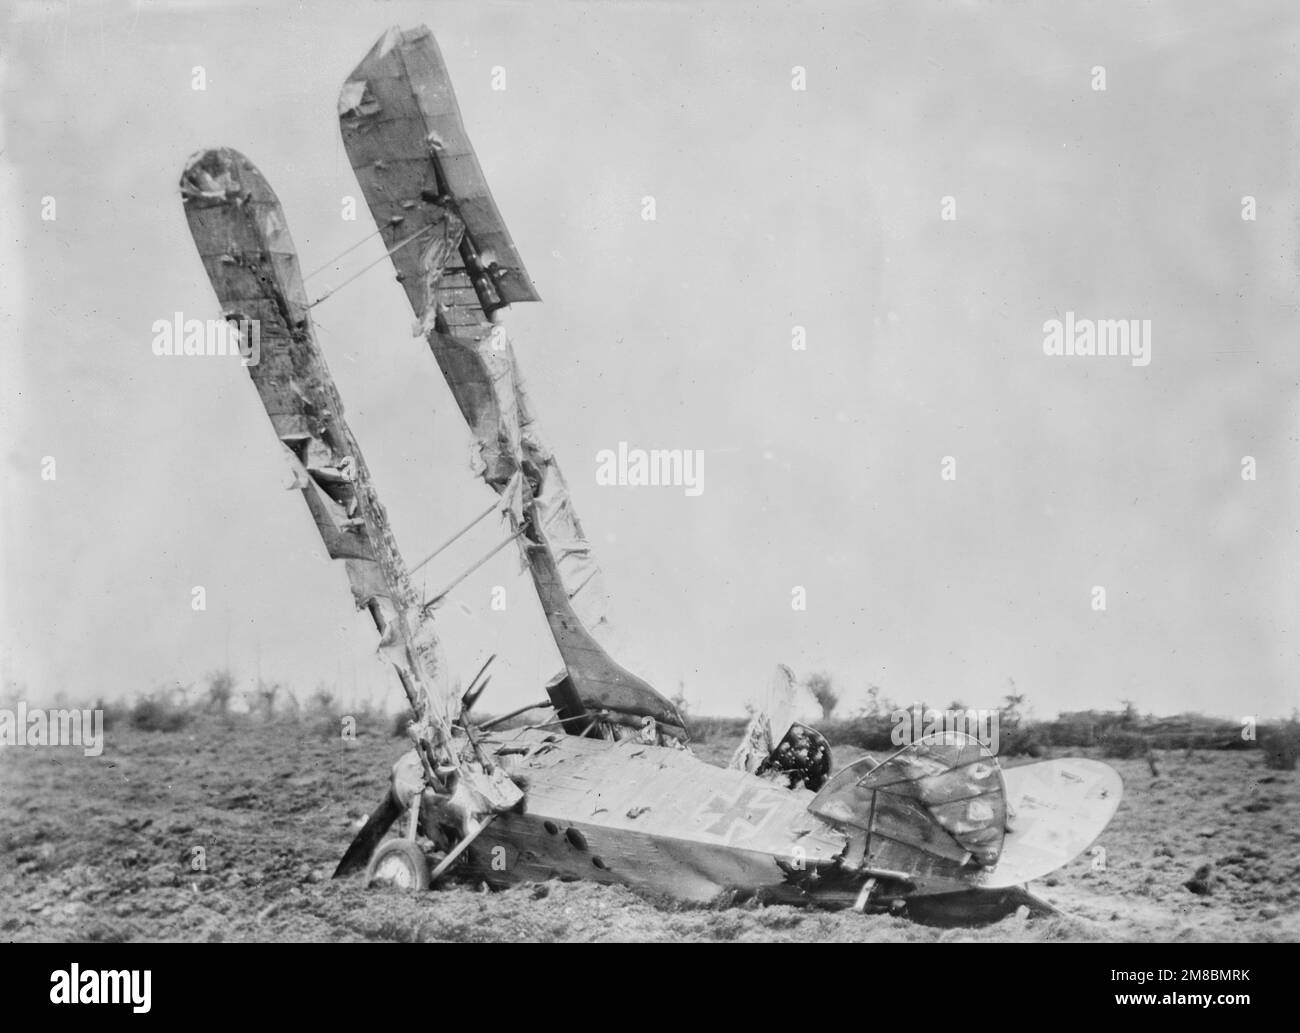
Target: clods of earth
(230, 830)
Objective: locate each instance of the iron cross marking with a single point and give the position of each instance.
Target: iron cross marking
(741, 817)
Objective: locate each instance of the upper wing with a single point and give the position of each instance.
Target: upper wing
(404, 137)
(397, 111)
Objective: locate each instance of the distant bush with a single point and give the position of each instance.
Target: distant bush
(1031, 740)
(264, 698)
(221, 684)
(1116, 733)
(866, 732)
(114, 713)
(822, 690)
(1123, 744)
(323, 698)
(1089, 727)
(707, 729)
(155, 713)
(1281, 746)
(1182, 731)
(876, 735)
(1077, 729)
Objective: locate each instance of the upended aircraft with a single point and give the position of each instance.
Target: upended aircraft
(604, 787)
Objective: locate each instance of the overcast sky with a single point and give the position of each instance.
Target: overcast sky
(775, 208)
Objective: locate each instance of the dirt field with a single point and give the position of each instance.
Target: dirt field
(102, 848)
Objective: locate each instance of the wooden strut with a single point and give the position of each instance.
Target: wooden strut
(871, 821)
(473, 682)
(562, 721)
(864, 896)
(467, 701)
(514, 713)
(458, 849)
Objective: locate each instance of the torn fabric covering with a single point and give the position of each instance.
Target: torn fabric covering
(773, 718)
(559, 521)
(405, 140)
(569, 545)
(246, 249)
(418, 171)
(485, 380)
(396, 109)
(438, 252)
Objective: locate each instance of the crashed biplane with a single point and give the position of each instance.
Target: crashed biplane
(605, 787)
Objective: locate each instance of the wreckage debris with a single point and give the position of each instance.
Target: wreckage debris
(607, 789)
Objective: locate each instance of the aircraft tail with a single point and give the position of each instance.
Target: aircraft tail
(936, 810)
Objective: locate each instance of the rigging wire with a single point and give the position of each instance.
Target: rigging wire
(426, 607)
(455, 536)
(335, 260)
(365, 268)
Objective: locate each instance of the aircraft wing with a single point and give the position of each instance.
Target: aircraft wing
(240, 232)
(404, 136)
(459, 267)
(241, 235)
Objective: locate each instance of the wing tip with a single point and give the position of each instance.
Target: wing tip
(214, 174)
(391, 37)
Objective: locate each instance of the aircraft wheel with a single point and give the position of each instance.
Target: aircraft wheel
(964, 907)
(399, 863)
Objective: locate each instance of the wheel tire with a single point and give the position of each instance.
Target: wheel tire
(398, 863)
(970, 908)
